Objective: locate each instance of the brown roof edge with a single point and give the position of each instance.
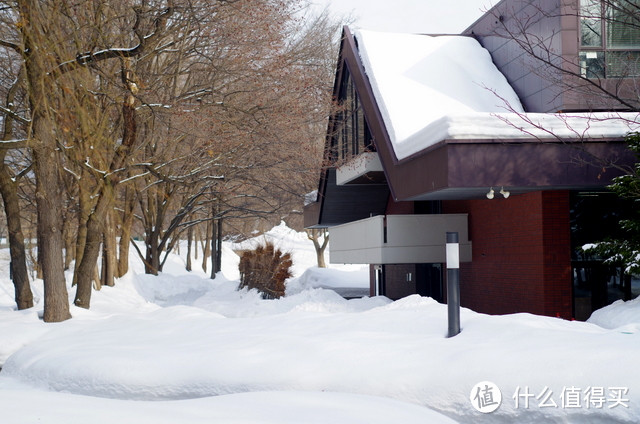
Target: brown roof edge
(350, 58)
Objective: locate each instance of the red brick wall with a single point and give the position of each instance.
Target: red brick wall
(521, 254)
(557, 254)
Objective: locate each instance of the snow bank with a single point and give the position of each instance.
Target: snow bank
(181, 337)
(431, 88)
(618, 314)
(345, 283)
(396, 350)
(244, 408)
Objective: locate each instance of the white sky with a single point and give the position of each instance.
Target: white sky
(417, 16)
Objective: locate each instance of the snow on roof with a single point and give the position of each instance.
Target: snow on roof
(432, 88)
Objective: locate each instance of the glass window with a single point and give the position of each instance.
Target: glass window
(621, 64)
(592, 64)
(352, 135)
(623, 24)
(611, 42)
(591, 23)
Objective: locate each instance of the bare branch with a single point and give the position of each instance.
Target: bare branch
(11, 45)
(14, 115)
(144, 41)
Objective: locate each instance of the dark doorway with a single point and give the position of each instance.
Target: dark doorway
(429, 281)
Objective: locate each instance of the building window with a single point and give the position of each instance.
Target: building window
(351, 135)
(610, 38)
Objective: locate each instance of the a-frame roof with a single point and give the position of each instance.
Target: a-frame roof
(475, 150)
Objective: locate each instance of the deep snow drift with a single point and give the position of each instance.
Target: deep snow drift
(190, 349)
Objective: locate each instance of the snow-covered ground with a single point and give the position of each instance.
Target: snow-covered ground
(183, 348)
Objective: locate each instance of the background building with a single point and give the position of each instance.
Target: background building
(510, 145)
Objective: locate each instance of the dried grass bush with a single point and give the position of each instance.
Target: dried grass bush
(265, 269)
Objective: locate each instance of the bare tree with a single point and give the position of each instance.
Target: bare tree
(315, 234)
(9, 191)
(240, 127)
(178, 103)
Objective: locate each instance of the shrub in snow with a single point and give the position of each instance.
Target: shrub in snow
(265, 269)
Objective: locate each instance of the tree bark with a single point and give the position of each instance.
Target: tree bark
(152, 262)
(206, 251)
(84, 211)
(20, 275)
(189, 241)
(216, 248)
(49, 196)
(69, 245)
(95, 227)
(109, 251)
(9, 192)
(125, 233)
(50, 243)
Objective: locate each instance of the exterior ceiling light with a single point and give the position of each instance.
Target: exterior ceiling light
(504, 193)
(490, 194)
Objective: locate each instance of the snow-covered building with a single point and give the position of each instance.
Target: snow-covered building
(468, 133)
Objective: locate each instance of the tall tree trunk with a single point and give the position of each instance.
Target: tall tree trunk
(152, 260)
(20, 275)
(196, 242)
(216, 248)
(85, 205)
(125, 233)
(69, 245)
(95, 227)
(207, 246)
(49, 196)
(50, 243)
(9, 192)
(219, 250)
(109, 251)
(189, 242)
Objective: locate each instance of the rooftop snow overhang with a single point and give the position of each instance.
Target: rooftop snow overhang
(462, 155)
(460, 152)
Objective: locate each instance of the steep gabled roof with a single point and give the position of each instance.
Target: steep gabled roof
(420, 80)
(435, 88)
(456, 143)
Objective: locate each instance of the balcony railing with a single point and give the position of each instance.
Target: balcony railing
(398, 239)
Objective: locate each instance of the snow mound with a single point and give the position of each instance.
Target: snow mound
(618, 314)
(243, 408)
(317, 341)
(346, 283)
(173, 341)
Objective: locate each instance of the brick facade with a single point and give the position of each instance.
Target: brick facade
(521, 254)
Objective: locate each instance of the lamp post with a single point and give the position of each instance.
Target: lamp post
(453, 283)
